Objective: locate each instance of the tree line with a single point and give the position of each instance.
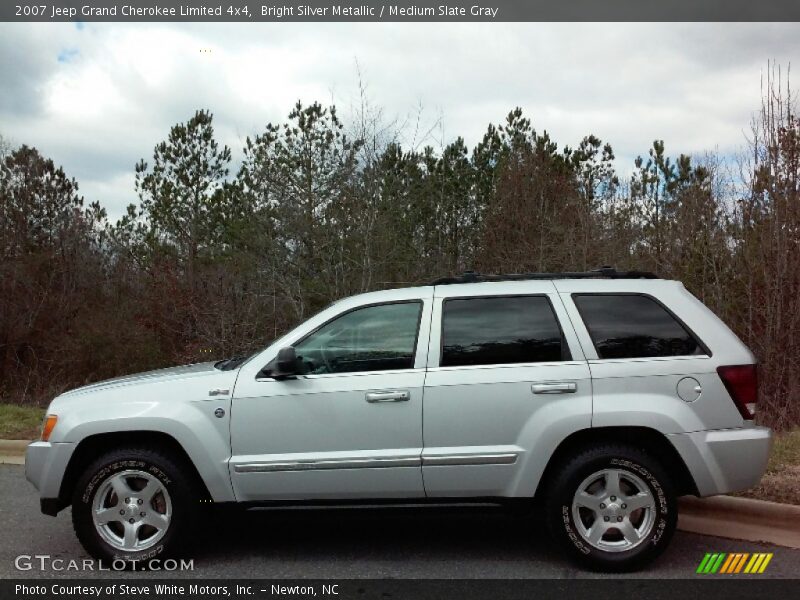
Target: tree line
(216, 259)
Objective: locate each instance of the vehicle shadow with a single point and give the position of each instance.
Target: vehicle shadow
(390, 536)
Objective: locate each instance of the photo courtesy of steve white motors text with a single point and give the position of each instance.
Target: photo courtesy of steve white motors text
(192, 590)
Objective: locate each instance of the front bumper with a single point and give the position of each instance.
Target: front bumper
(45, 465)
(725, 460)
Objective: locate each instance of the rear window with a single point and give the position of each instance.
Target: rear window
(500, 330)
(634, 326)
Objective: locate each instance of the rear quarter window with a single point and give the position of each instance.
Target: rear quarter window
(634, 326)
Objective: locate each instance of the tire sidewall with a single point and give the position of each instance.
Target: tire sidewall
(87, 489)
(563, 524)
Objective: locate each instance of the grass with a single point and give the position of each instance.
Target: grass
(786, 452)
(781, 482)
(20, 422)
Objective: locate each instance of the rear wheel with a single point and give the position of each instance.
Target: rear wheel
(133, 505)
(612, 508)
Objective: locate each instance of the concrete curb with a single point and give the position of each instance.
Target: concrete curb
(741, 519)
(13, 447)
(12, 452)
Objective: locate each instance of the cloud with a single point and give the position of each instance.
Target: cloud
(97, 97)
(29, 61)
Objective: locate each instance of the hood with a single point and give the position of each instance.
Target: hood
(169, 374)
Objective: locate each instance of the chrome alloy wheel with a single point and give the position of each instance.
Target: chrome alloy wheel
(613, 510)
(132, 510)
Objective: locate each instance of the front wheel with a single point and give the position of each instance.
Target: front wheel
(612, 508)
(131, 506)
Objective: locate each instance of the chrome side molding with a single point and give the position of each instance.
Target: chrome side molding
(314, 465)
(506, 458)
(470, 459)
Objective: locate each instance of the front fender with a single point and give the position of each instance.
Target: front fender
(155, 407)
(208, 451)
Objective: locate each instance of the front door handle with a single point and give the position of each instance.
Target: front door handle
(388, 396)
(555, 387)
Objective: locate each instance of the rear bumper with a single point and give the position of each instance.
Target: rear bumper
(45, 465)
(725, 460)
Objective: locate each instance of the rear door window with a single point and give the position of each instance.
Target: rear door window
(498, 330)
(634, 326)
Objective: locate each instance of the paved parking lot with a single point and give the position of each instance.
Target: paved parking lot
(355, 543)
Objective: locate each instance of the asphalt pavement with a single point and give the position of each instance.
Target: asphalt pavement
(353, 543)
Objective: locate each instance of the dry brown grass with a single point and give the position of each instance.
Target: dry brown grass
(781, 483)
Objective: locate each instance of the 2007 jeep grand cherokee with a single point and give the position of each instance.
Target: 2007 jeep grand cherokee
(602, 395)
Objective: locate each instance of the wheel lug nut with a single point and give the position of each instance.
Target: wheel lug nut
(122, 512)
(613, 498)
(605, 519)
(619, 519)
(624, 506)
(139, 501)
(602, 505)
(130, 520)
(141, 514)
(127, 500)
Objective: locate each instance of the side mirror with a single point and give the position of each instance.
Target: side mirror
(284, 366)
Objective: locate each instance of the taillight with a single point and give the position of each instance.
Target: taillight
(741, 381)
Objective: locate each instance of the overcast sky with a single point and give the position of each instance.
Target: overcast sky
(97, 97)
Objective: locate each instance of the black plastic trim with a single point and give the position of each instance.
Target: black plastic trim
(50, 506)
(412, 502)
(601, 273)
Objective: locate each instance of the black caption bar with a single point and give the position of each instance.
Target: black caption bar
(421, 10)
(136, 587)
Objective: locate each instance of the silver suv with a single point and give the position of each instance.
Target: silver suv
(600, 396)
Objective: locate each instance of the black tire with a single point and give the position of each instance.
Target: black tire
(561, 521)
(171, 473)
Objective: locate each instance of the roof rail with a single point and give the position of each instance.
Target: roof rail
(601, 273)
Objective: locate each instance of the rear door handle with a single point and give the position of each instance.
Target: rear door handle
(388, 396)
(555, 387)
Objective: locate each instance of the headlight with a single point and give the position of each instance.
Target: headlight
(47, 427)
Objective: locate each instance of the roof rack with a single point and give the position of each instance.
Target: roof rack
(601, 273)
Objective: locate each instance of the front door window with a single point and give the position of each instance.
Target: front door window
(374, 338)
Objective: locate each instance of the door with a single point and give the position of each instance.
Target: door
(506, 373)
(349, 426)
